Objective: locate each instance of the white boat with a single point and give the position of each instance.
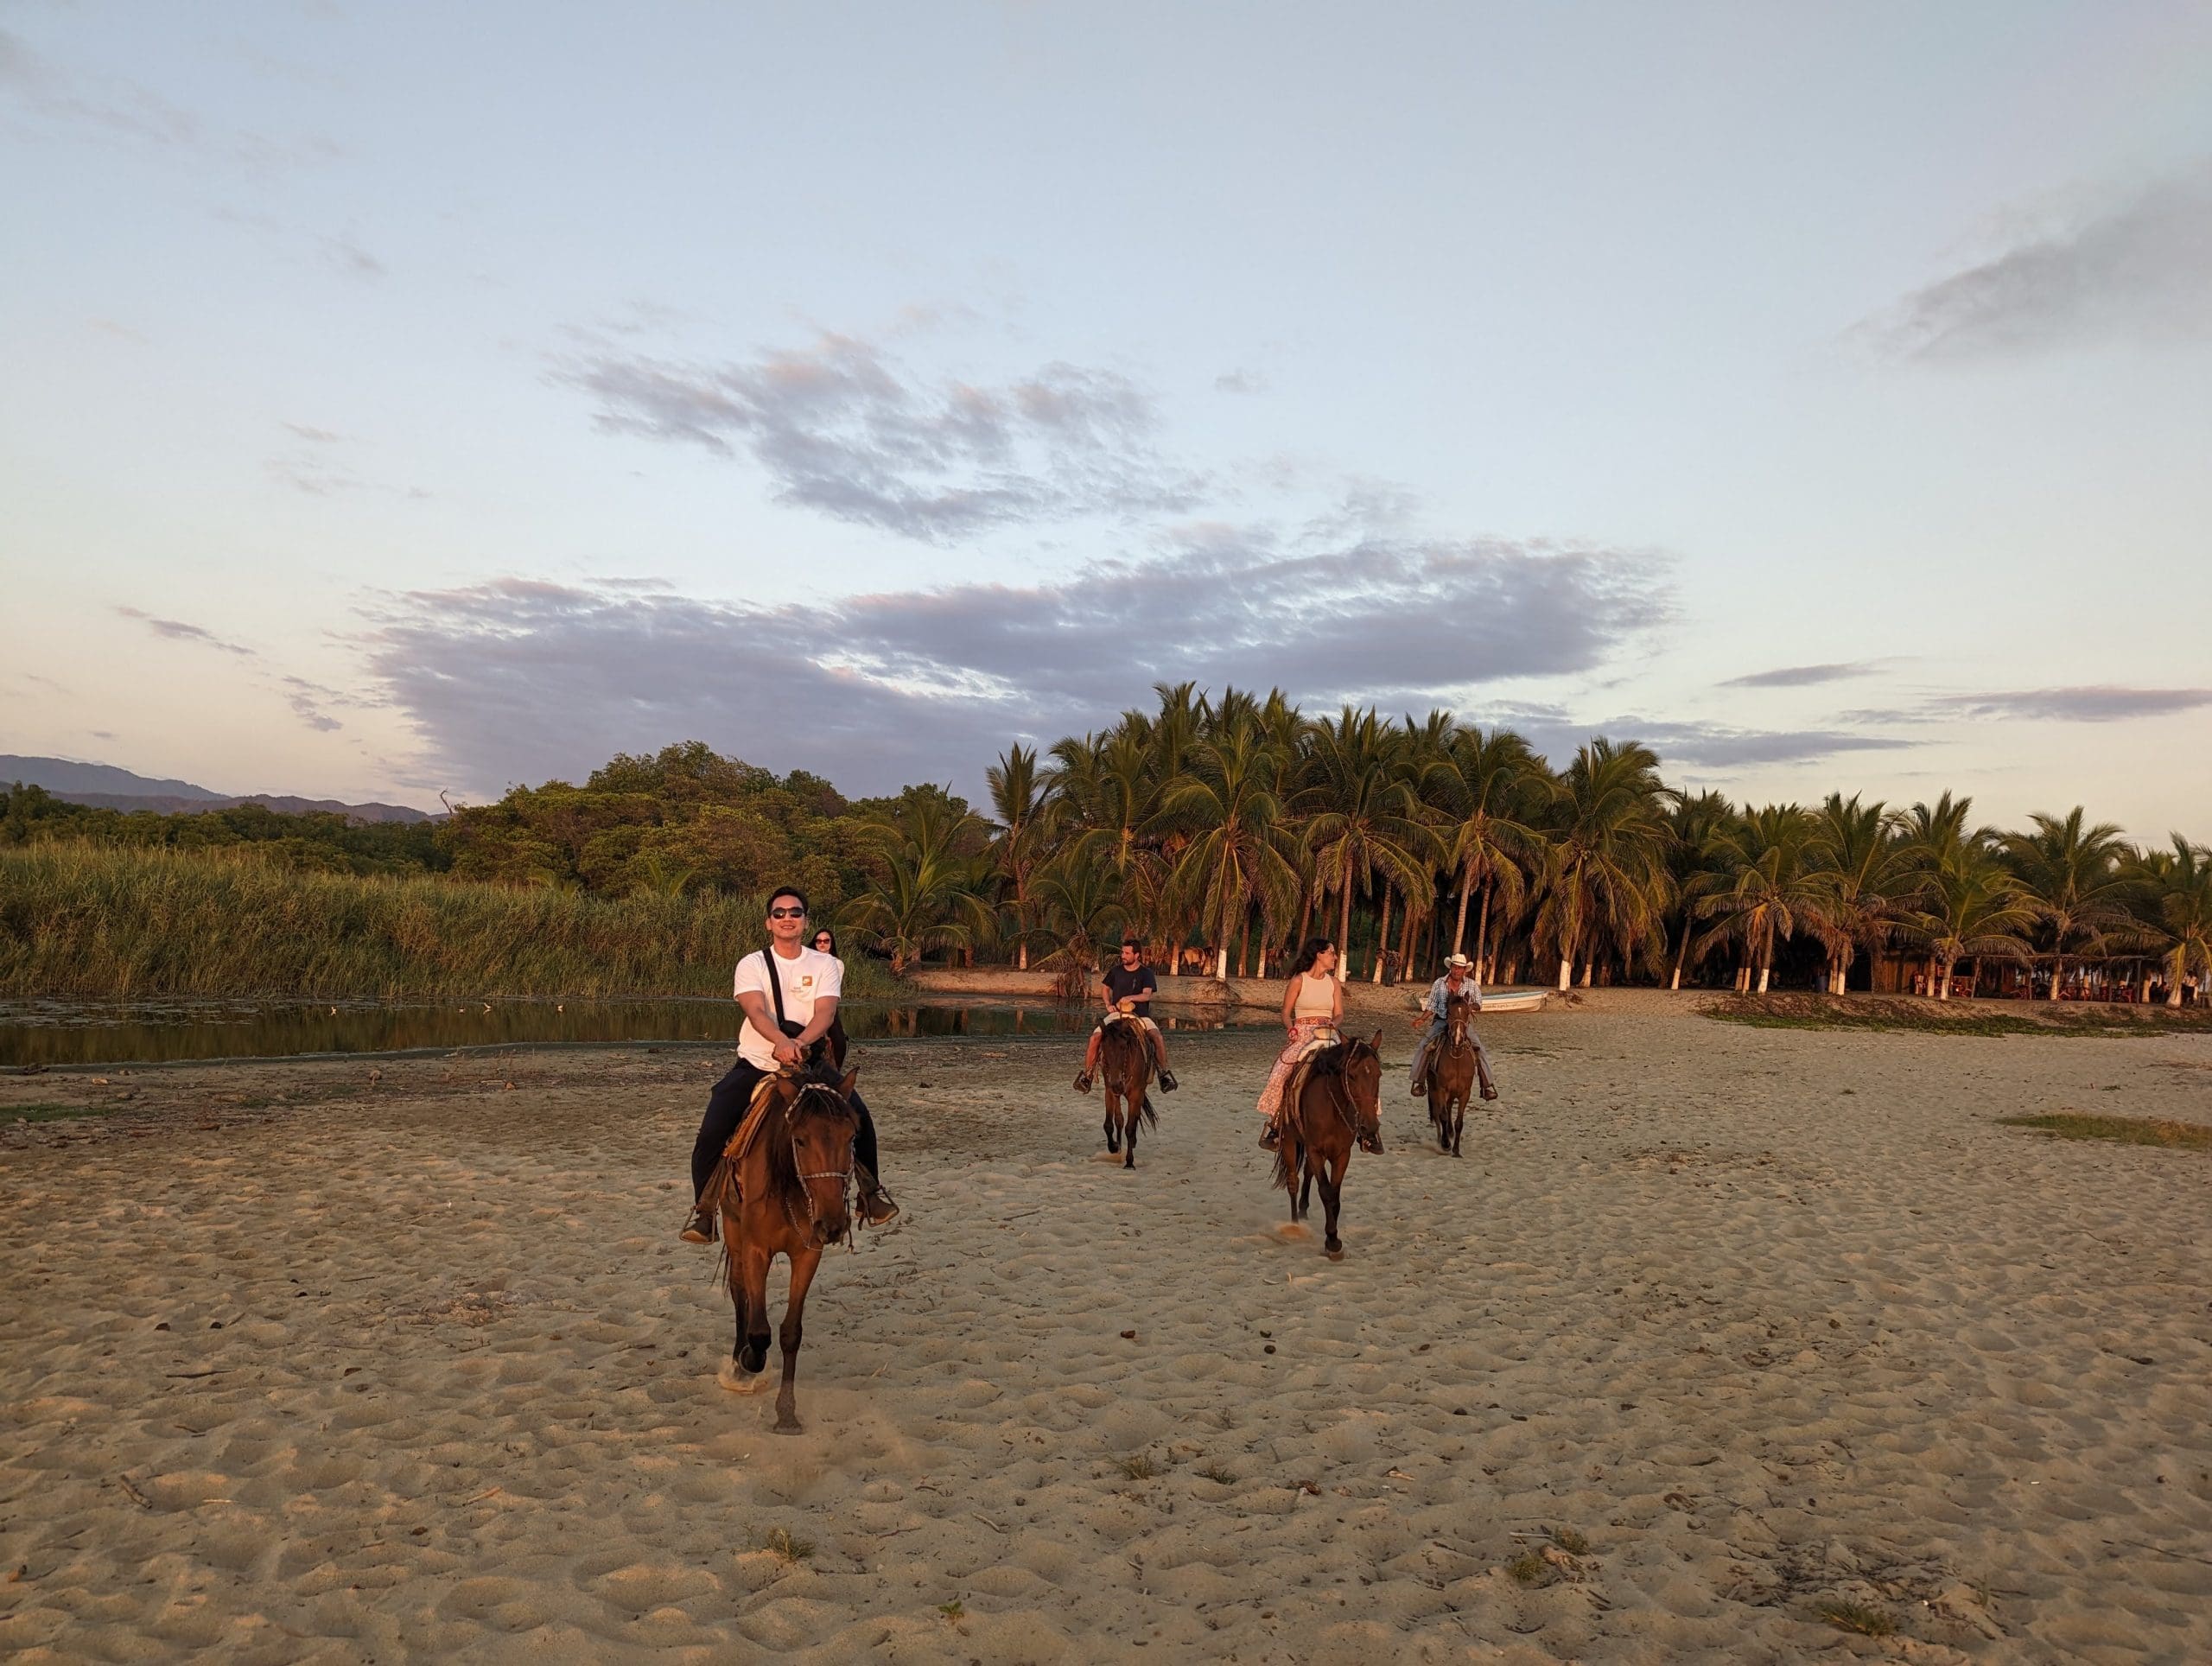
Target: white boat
(1514, 1000)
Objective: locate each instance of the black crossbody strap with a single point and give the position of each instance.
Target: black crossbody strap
(776, 994)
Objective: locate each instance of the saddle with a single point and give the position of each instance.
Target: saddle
(1293, 1088)
(755, 1117)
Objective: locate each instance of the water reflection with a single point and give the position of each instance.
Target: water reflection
(57, 1033)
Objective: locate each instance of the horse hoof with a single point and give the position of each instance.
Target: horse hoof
(1336, 1252)
(750, 1360)
(789, 1426)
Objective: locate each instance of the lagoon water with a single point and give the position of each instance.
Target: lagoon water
(60, 1034)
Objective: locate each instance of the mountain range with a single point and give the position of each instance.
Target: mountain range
(110, 788)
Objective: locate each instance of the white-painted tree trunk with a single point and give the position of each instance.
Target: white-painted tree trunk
(1765, 972)
(1220, 967)
(1566, 972)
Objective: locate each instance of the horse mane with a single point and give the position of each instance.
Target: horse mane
(1335, 1059)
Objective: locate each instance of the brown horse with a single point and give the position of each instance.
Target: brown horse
(1124, 1069)
(1339, 1103)
(1452, 1072)
(789, 1195)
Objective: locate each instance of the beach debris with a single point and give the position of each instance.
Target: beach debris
(1128, 1336)
(136, 1497)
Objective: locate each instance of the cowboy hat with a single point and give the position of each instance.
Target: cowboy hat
(1459, 961)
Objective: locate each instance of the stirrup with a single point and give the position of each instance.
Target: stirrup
(1270, 1138)
(1166, 1080)
(1083, 1081)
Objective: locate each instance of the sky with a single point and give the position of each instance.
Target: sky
(399, 400)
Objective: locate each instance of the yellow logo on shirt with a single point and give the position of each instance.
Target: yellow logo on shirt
(806, 981)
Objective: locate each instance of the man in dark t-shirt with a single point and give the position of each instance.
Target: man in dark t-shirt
(1127, 988)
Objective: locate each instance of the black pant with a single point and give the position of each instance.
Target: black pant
(726, 1108)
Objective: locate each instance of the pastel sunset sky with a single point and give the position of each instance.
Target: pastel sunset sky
(400, 397)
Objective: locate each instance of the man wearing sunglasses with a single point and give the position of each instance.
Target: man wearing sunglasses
(812, 982)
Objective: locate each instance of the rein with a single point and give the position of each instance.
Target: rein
(842, 1176)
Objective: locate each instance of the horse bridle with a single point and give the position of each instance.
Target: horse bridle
(842, 1176)
(1340, 1096)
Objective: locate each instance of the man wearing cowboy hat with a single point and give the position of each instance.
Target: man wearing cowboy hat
(1459, 979)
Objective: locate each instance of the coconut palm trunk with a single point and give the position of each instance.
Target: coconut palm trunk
(1382, 936)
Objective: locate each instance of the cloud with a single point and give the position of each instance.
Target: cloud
(520, 676)
(2138, 270)
(178, 630)
(843, 428)
(2095, 703)
(1240, 381)
(348, 256)
(314, 435)
(307, 700)
(119, 109)
(1799, 676)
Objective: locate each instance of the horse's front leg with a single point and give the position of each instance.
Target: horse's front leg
(1113, 1123)
(1305, 1188)
(734, 1270)
(1332, 1195)
(753, 1347)
(1459, 1118)
(1133, 1113)
(804, 1262)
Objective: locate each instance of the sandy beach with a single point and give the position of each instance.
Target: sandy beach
(1713, 1329)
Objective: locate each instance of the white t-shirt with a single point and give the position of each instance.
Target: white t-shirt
(807, 977)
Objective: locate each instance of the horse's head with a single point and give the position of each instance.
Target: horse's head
(1364, 1083)
(1459, 1010)
(821, 1123)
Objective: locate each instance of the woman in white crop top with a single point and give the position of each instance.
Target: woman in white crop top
(1313, 1003)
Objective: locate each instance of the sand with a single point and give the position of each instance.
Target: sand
(1713, 1329)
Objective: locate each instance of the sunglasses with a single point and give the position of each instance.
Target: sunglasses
(787, 913)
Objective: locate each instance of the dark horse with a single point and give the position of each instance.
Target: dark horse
(790, 1194)
(1125, 1067)
(1339, 1103)
(1451, 1074)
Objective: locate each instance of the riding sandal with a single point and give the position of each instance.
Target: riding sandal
(1270, 1137)
(877, 1208)
(1083, 1081)
(700, 1229)
(1167, 1079)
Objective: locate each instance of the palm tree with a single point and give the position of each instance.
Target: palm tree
(1696, 858)
(2184, 917)
(1241, 851)
(1079, 904)
(924, 894)
(1768, 890)
(1605, 864)
(1864, 873)
(1364, 823)
(2075, 876)
(1970, 905)
(1484, 783)
(1020, 800)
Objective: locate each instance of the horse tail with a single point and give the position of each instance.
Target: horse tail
(1286, 1171)
(1144, 1104)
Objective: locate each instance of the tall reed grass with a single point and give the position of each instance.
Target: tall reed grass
(102, 923)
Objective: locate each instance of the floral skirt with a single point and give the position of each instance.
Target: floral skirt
(1302, 1042)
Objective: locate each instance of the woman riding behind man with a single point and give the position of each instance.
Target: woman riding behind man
(1312, 1006)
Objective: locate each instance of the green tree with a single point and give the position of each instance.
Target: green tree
(1606, 839)
(1769, 889)
(1864, 875)
(2076, 876)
